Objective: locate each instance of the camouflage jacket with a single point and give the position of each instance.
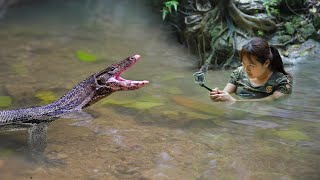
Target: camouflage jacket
(277, 82)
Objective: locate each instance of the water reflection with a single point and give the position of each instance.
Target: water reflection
(169, 129)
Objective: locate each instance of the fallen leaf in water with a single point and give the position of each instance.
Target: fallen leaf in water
(86, 57)
(5, 101)
(46, 96)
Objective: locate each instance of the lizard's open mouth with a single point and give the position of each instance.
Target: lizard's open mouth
(125, 84)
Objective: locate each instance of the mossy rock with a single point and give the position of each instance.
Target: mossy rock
(20, 69)
(188, 115)
(292, 135)
(307, 30)
(198, 106)
(289, 28)
(46, 96)
(142, 103)
(5, 101)
(296, 21)
(284, 38)
(316, 21)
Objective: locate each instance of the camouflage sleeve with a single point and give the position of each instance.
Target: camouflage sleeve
(284, 85)
(234, 76)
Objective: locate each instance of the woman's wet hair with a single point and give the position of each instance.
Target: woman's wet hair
(260, 49)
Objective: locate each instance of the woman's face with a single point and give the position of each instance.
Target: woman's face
(254, 68)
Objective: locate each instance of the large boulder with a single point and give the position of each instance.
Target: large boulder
(4, 4)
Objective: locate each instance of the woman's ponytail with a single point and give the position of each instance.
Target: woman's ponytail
(276, 62)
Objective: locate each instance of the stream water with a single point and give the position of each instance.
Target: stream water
(166, 130)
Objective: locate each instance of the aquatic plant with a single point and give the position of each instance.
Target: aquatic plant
(142, 103)
(86, 57)
(5, 101)
(292, 135)
(46, 96)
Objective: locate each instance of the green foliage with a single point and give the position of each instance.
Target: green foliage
(86, 57)
(260, 33)
(289, 28)
(269, 5)
(167, 8)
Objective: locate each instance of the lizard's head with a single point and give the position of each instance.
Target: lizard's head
(110, 79)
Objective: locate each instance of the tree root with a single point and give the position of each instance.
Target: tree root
(233, 22)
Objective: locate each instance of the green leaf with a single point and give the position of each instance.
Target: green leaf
(86, 57)
(5, 101)
(313, 10)
(168, 7)
(164, 13)
(260, 33)
(175, 5)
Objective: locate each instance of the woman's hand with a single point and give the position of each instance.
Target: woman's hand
(217, 95)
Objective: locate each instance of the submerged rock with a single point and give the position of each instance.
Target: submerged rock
(203, 5)
(250, 6)
(293, 135)
(261, 124)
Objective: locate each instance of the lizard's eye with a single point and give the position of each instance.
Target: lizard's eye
(112, 70)
(131, 58)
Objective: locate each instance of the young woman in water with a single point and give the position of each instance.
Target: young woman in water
(261, 76)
